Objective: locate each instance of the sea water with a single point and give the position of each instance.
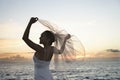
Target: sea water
(91, 69)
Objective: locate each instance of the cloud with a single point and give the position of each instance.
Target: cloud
(15, 55)
(113, 50)
(108, 53)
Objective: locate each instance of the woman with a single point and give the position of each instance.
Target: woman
(43, 55)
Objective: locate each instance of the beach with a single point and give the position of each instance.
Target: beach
(90, 69)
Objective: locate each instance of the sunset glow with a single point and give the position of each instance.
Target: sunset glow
(95, 22)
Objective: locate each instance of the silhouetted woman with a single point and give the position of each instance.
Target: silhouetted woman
(43, 55)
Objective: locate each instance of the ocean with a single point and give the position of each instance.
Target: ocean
(89, 69)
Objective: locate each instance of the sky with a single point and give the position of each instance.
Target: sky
(95, 22)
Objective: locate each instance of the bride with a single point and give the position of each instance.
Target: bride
(43, 55)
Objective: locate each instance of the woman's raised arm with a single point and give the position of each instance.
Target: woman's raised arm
(26, 35)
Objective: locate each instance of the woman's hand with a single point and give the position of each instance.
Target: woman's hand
(33, 20)
(68, 36)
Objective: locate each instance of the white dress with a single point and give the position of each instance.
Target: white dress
(41, 69)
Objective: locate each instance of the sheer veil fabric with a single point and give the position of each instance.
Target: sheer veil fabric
(74, 50)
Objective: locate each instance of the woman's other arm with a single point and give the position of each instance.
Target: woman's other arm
(63, 45)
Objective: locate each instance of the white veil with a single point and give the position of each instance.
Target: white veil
(74, 50)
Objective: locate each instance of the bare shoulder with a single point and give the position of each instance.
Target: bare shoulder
(55, 50)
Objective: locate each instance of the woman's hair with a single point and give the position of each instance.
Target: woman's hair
(50, 36)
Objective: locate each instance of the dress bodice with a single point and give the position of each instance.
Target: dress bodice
(41, 69)
(40, 63)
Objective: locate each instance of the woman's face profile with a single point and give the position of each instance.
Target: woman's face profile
(43, 39)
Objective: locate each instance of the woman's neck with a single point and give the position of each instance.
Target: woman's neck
(46, 46)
